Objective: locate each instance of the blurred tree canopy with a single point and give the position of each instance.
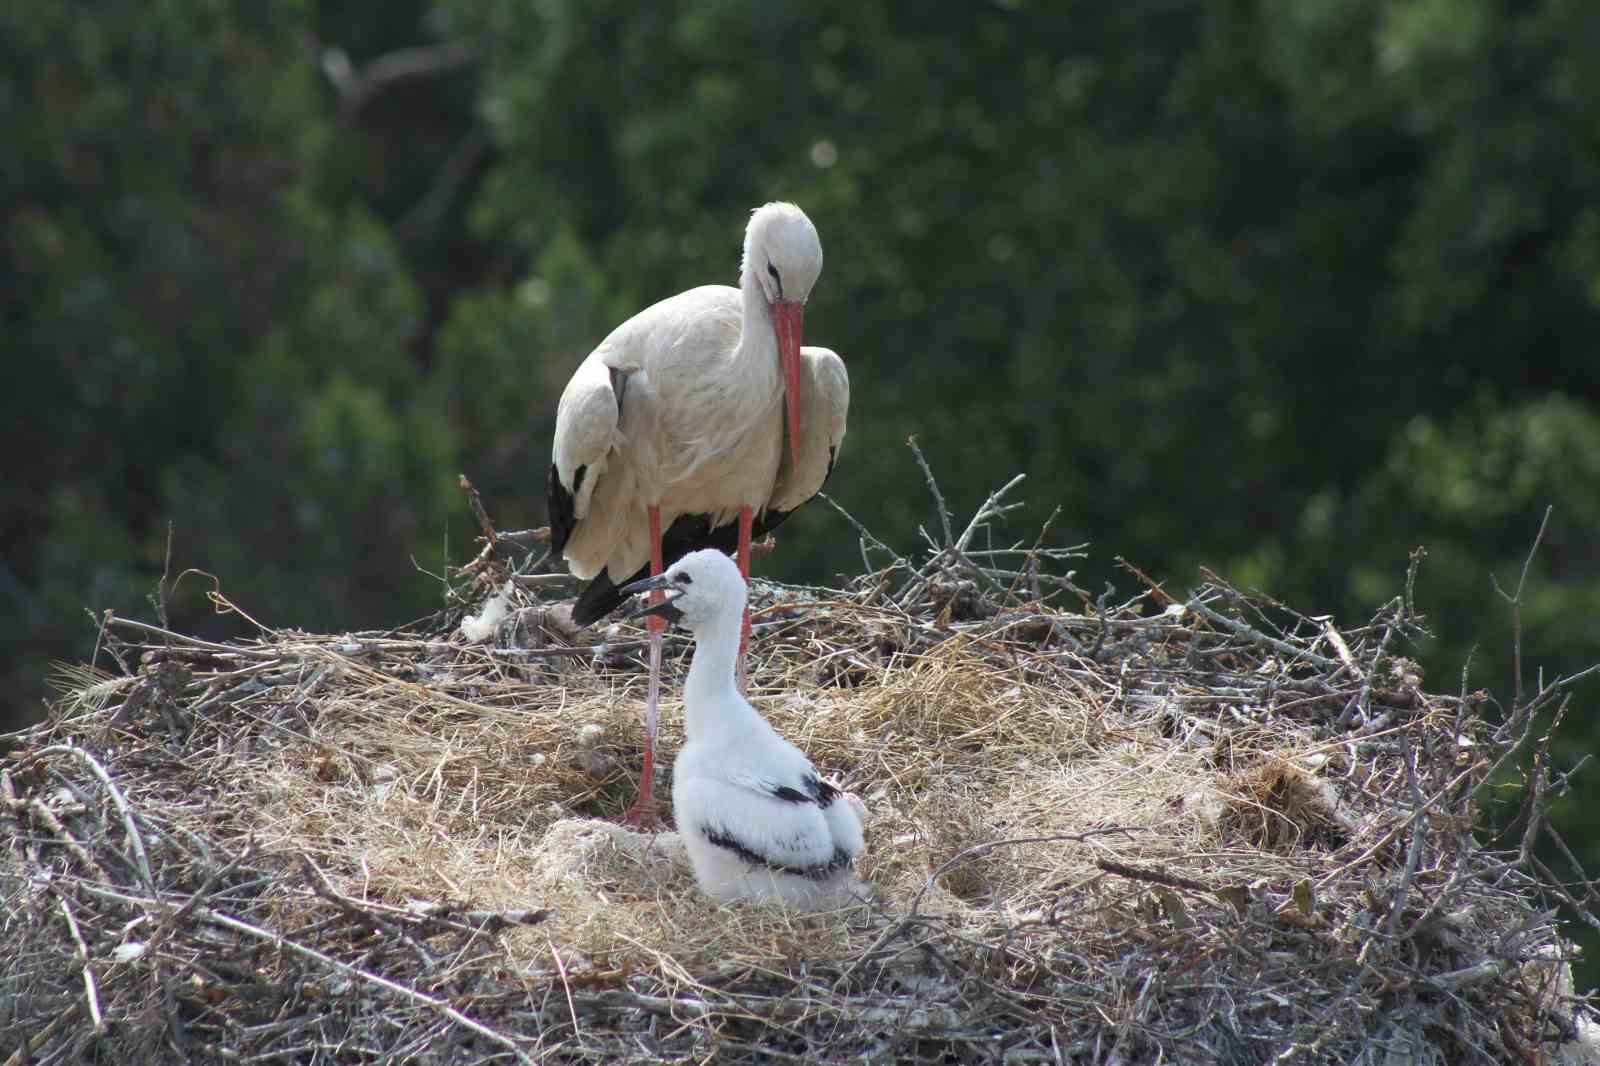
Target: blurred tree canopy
(1282, 289)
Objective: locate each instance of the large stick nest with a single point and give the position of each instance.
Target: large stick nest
(1202, 831)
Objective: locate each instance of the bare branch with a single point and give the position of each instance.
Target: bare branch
(357, 88)
(1515, 600)
(933, 487)
(135, 841)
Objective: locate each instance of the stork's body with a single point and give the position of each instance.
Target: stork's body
(757, 819)
(699, 422)
(668, 410)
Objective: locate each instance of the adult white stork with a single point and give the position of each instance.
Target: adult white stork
(755, 817)
(670, 435)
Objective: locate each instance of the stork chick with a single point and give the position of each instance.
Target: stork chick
(757, 820)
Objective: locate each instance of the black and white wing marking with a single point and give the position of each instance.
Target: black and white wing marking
(812, 790)
(722, 837)
(795, 828)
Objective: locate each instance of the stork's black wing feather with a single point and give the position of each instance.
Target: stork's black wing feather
(562, 506)
(722, 838)
(687, 533)
(599, 598)
(812, 790)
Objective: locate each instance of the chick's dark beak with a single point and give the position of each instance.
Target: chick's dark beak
(664, 609)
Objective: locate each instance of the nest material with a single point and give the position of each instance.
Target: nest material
(1208, 832)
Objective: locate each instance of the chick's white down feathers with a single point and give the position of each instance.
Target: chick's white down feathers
(757, 819)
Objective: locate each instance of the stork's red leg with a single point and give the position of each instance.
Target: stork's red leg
(657, 623)
(642, 814)
(746, 520)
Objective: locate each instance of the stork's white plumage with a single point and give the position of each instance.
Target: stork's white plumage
(671, 435)
(757, 820)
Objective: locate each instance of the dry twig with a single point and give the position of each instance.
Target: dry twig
(1291, 839)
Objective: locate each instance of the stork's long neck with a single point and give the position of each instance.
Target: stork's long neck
(758, 340)
(710, 696)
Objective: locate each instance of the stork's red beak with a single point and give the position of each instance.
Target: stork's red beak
(787, 317)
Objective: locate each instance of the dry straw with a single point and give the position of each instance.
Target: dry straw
(1200, 831)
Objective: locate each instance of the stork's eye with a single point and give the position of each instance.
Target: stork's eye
(685, 579)
(773, 271)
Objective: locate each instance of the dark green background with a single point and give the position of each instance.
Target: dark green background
(1284, 289)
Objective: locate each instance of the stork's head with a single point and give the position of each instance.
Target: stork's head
(782, 252)
(783, 256)
(700, 587)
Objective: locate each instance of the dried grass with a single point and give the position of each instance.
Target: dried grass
(1220, 832)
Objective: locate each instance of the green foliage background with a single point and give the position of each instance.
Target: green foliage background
(1282, 289)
